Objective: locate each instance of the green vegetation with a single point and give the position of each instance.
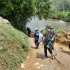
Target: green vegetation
(18, 12)
(60, 5)
(14, 45)
(60, 35)
(43, 8)
(60, 15)
(60, 9)
(56, 28)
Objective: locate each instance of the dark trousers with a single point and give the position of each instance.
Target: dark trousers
(45, 51)
(36, 43)
(29, 34)
(69, 46)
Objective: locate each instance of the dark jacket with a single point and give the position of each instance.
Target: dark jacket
(48, 37)
(36, 35)
(53, 34)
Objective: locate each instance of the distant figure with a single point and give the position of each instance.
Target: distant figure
(69, 41)
(28, 31)
(69, 45)
(68, 38)
(36, 36)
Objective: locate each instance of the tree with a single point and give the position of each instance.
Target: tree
(19, 11)
(43, 8)
(63, 5)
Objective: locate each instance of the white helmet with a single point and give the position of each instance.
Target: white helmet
(36, 29)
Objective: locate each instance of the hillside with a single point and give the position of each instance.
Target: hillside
(13, 46)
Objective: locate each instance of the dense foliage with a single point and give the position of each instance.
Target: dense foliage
(43, 7)
(60, 9)
(19, 11)
(64, 5)
(61, 5)
(60, 15)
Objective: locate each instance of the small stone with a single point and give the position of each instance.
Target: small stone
(38, 67)
(27, 57)
(41, 65)
(61, 47)
(57, 53)
(43, 69)
(1, 48)
(22, 66)
(36, 63)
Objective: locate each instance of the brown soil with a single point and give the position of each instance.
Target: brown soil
(1, 30)
(36, 60)
(63, 37)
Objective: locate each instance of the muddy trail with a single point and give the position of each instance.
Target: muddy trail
(36, 60)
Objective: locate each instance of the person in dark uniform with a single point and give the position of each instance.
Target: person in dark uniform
(53, 37)
(69, 45)
(28, 31)
(47, 43)
(36, 36)
(69, 42)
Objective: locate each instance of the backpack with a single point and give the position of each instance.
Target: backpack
(51, 35)
(40, 37)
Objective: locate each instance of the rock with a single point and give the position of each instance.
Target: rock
(22, 66)
(61, 21)
(5, 21)
(61, 47)
(27, 57)
(38, 67)
(1, 48)
(2, 20)
(43, 69)
(57, 53)
(36, 63)
(41, 65)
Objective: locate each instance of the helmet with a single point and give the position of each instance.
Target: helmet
(48, 27)
(36, 29)
(51, 27)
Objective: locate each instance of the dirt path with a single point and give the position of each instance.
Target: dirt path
(36, 60)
